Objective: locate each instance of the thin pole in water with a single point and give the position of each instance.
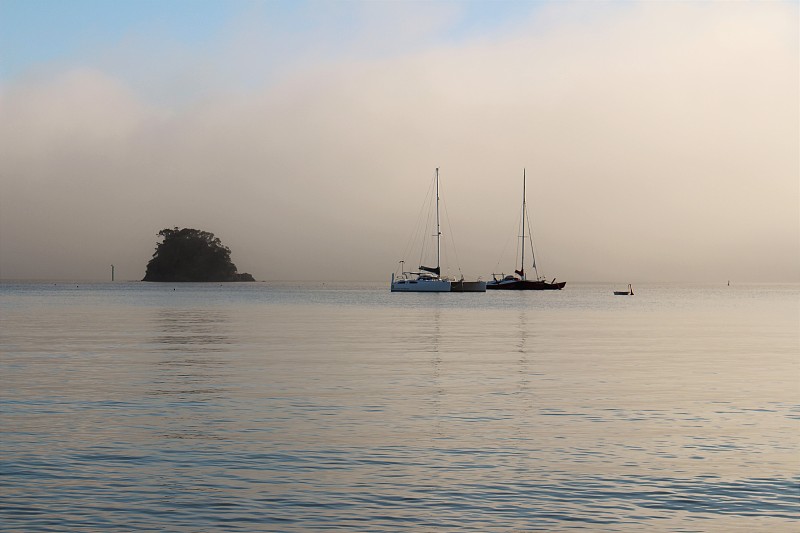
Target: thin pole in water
(112, 272)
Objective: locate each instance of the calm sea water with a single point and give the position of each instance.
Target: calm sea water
(307, 407)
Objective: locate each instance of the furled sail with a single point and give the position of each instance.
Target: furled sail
(430, 269)
(520, 272)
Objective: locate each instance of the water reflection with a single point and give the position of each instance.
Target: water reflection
(197, 330)
(437, 387)
(434, 340)
(192, 370)
(522, 349)
(253, 416)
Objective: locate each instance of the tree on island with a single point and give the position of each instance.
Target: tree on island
(192, 255)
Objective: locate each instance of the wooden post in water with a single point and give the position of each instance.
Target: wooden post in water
(112, 272)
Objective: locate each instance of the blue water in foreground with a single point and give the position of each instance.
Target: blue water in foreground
(309, 407)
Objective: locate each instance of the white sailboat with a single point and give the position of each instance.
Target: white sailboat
(427, 279)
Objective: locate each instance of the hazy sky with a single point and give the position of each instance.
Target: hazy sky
(661, 139)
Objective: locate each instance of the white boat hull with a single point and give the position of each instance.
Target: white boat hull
(468, 286)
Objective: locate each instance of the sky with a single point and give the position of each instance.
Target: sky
(660, 140)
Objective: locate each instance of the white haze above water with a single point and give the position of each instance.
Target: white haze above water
(660, 140)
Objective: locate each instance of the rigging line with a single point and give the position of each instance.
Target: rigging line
(533, 253)
(416, 232)
(533, 249)
(423, 236)
(424, 223)
(430, 199)
(505, 247)
(452, 240)
(518, 255)
(412, 236)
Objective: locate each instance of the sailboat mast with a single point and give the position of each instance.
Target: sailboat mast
(438, 233)
(522, 265)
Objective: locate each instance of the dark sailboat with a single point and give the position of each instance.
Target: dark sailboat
(629, 292)
(519, 280)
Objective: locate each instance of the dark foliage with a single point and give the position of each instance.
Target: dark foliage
(192, 255)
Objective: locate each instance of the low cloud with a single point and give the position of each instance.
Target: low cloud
(660, 141)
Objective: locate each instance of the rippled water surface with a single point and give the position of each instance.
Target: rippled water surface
(306, 407)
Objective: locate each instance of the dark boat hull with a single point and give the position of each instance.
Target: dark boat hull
(526, 285)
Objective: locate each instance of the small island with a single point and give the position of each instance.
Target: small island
(188, 254)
